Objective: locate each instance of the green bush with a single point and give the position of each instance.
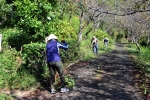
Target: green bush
(9, 76)
(8, 66)
(34, 58)
(100, 34)
(119, 37)
(11, 60)
(72, 53)
(6, 33)
(14, 38)
(18, 39)
(143, 40)
(70, 82)
(30, 16)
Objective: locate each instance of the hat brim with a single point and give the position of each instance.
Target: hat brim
(52, 36)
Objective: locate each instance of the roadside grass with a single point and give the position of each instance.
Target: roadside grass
(142, 66)
(5, 97)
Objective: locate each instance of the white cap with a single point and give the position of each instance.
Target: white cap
(94, 36)
(52, 36)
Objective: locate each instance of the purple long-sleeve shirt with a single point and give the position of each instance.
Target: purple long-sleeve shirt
(52, 50)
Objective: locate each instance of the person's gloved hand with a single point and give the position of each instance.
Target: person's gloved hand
(63, 41)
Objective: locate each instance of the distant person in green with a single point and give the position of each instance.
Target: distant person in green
(94, 43)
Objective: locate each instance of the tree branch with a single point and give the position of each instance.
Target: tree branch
(128, 13)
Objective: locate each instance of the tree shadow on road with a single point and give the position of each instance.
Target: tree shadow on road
(115, 81)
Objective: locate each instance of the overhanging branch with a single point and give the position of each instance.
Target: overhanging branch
(127, 13)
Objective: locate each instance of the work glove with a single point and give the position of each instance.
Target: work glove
(63, 41)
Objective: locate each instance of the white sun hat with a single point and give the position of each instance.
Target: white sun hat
(94, 36)
(51, 36)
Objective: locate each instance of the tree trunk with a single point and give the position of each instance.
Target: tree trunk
(136, 43)
(138, 47)
(81, 26)
(148, 40)
(80, 36)
(97, 25)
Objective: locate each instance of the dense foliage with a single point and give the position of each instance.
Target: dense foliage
(24, 32)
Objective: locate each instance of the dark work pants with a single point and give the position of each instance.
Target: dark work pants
(53, 67)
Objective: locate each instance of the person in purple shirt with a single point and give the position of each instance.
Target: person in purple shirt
(54, 61)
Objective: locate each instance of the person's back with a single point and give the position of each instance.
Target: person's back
(52, 51)
(94, 40)
(106, 41)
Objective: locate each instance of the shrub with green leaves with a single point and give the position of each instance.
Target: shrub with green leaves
(10, 62)
(14, 37)
(72, 53)
(8, 66)
(62, 28)
(30, 15)
(34, 59)
(18, 39)
(100, 34)
(70, 82)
